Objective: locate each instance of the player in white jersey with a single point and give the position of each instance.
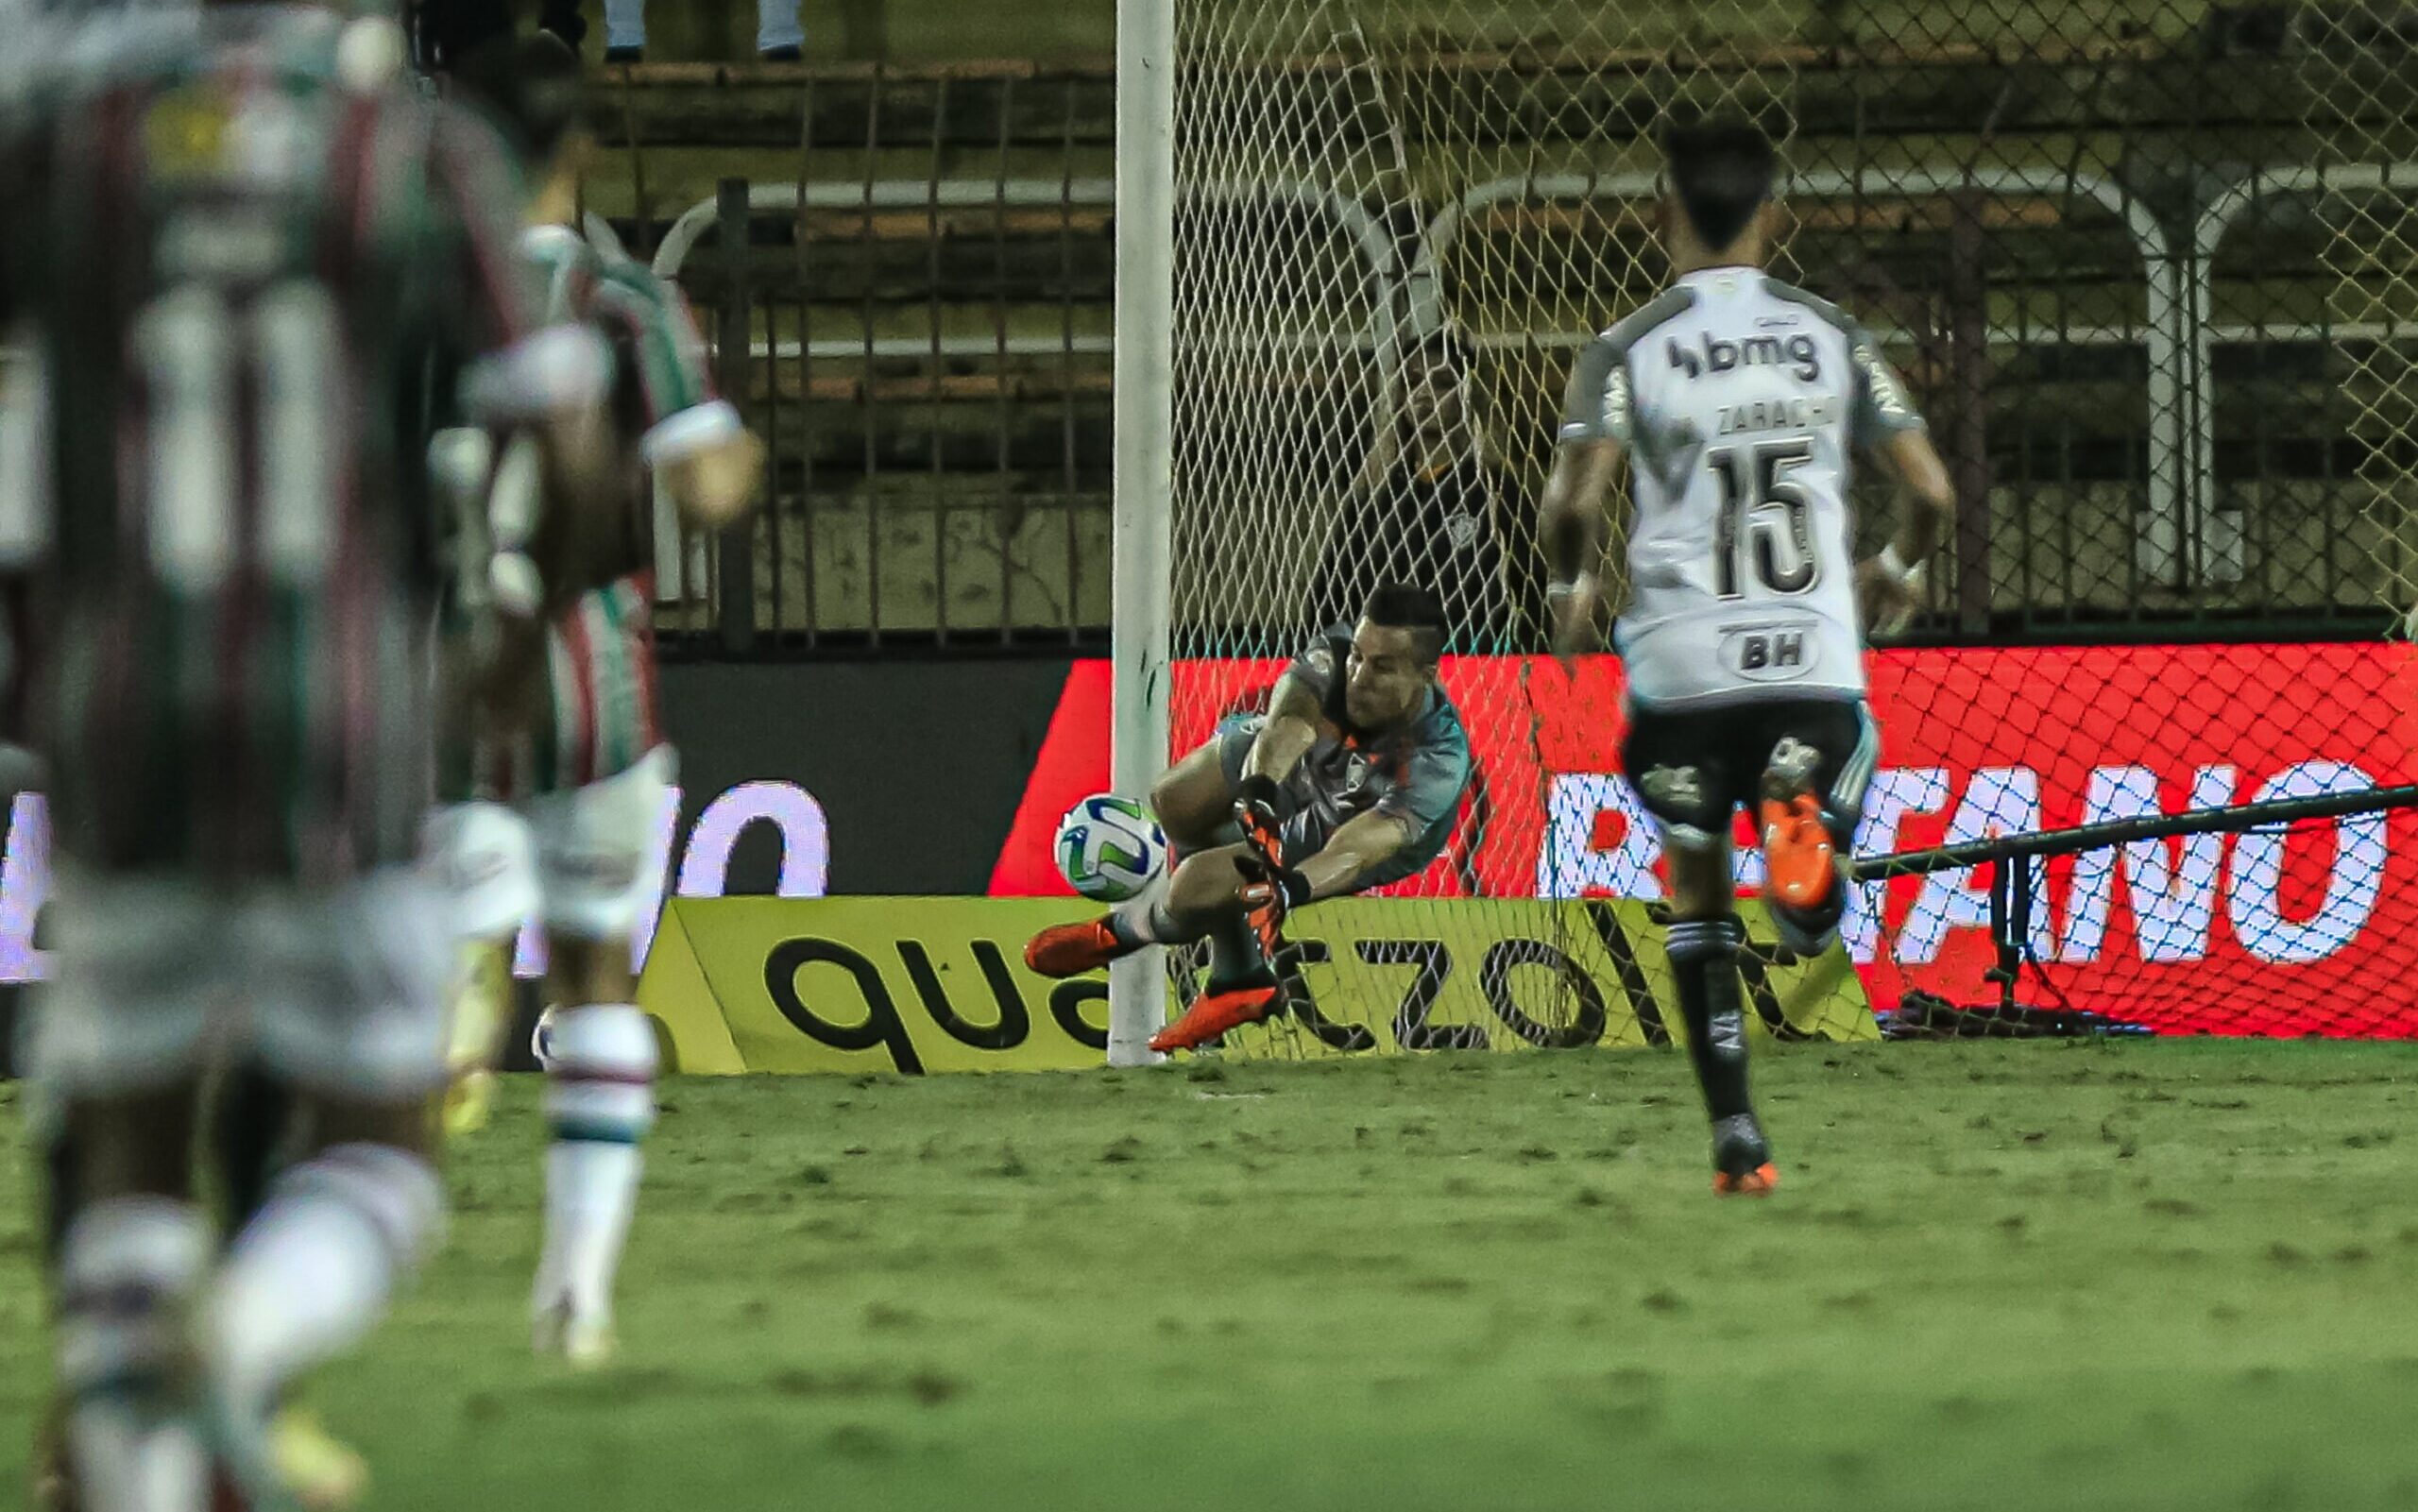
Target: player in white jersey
(1742, 404)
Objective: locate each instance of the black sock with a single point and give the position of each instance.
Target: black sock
(1234, 956)
(1704, 957)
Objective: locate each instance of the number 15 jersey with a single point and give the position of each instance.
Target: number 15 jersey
(1740, 401)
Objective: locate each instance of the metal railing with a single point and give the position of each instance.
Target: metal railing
(2184, 533)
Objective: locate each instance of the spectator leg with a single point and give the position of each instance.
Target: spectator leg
(778, 25)
(624, 22)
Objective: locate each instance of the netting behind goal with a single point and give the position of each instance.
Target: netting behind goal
(2147, 267)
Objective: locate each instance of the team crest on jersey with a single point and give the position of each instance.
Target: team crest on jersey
(1355, 777)
(197, 133)
(1670, 450)
(185, 132)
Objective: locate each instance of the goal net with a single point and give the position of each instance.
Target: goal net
(2147, 267)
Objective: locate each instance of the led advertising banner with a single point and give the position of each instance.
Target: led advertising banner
(2308, 929)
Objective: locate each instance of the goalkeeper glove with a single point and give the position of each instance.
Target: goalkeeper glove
(1269, 893)
(1261, 808)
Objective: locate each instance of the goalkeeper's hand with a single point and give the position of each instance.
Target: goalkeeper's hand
(1269, 893)
(1261, 808)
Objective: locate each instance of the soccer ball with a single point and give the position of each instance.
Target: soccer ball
(1110, 848)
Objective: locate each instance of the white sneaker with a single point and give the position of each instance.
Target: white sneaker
(582, 1341)
(589, 1344)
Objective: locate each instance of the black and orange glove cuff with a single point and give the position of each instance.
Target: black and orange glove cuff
(1263, 793)
(1291, 884)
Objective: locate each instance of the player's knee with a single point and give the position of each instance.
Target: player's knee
(580, 969)
(1187, 809)
(1204, 883)
(1167, 796)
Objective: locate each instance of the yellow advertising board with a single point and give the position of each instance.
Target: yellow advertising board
(917, 985)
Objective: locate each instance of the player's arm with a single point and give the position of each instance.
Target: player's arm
(547, 380)
(1887, 428)
(1294, 711)
(1360, 845)
(1572, 524)
(1427, 797)
(702, 453)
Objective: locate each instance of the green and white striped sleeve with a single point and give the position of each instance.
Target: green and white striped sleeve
(667, 355)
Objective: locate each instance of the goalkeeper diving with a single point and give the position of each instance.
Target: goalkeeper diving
(1353, 779)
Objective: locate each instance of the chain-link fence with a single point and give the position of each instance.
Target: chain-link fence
(2148, 265)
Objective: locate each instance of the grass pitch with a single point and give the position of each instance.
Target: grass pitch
(2039, 1276)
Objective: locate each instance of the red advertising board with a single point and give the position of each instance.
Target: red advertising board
(2311, 930)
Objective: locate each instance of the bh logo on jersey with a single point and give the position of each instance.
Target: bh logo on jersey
(1769, 653)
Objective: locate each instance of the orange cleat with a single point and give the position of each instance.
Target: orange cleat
(1757, 1183)
(1065, 950)
(1801, 864)
(1212, 1015)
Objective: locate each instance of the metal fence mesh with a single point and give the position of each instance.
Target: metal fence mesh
(2146, 265)
(2146, 268)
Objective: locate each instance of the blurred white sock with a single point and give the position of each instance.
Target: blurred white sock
(313, 1271)
(129, 1270)
(600, 1102)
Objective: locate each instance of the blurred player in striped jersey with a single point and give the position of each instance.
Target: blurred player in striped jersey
(577, 777)
(243, 252)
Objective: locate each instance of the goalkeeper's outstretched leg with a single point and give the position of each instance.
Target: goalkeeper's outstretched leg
(1352, 780)
(1211, 898)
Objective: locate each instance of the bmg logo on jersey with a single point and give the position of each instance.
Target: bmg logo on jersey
(1752, 351)
(1770, 653)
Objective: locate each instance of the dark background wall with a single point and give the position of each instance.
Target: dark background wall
(918, 764)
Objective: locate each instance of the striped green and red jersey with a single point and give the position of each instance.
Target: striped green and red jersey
(599, 715)
(248, 281)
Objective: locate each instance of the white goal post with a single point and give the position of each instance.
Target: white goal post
(1144, 499)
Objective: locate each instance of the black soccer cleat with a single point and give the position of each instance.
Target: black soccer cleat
(1742, 1158)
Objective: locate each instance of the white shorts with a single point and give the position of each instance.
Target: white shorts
(154, 979)
(582, 862)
